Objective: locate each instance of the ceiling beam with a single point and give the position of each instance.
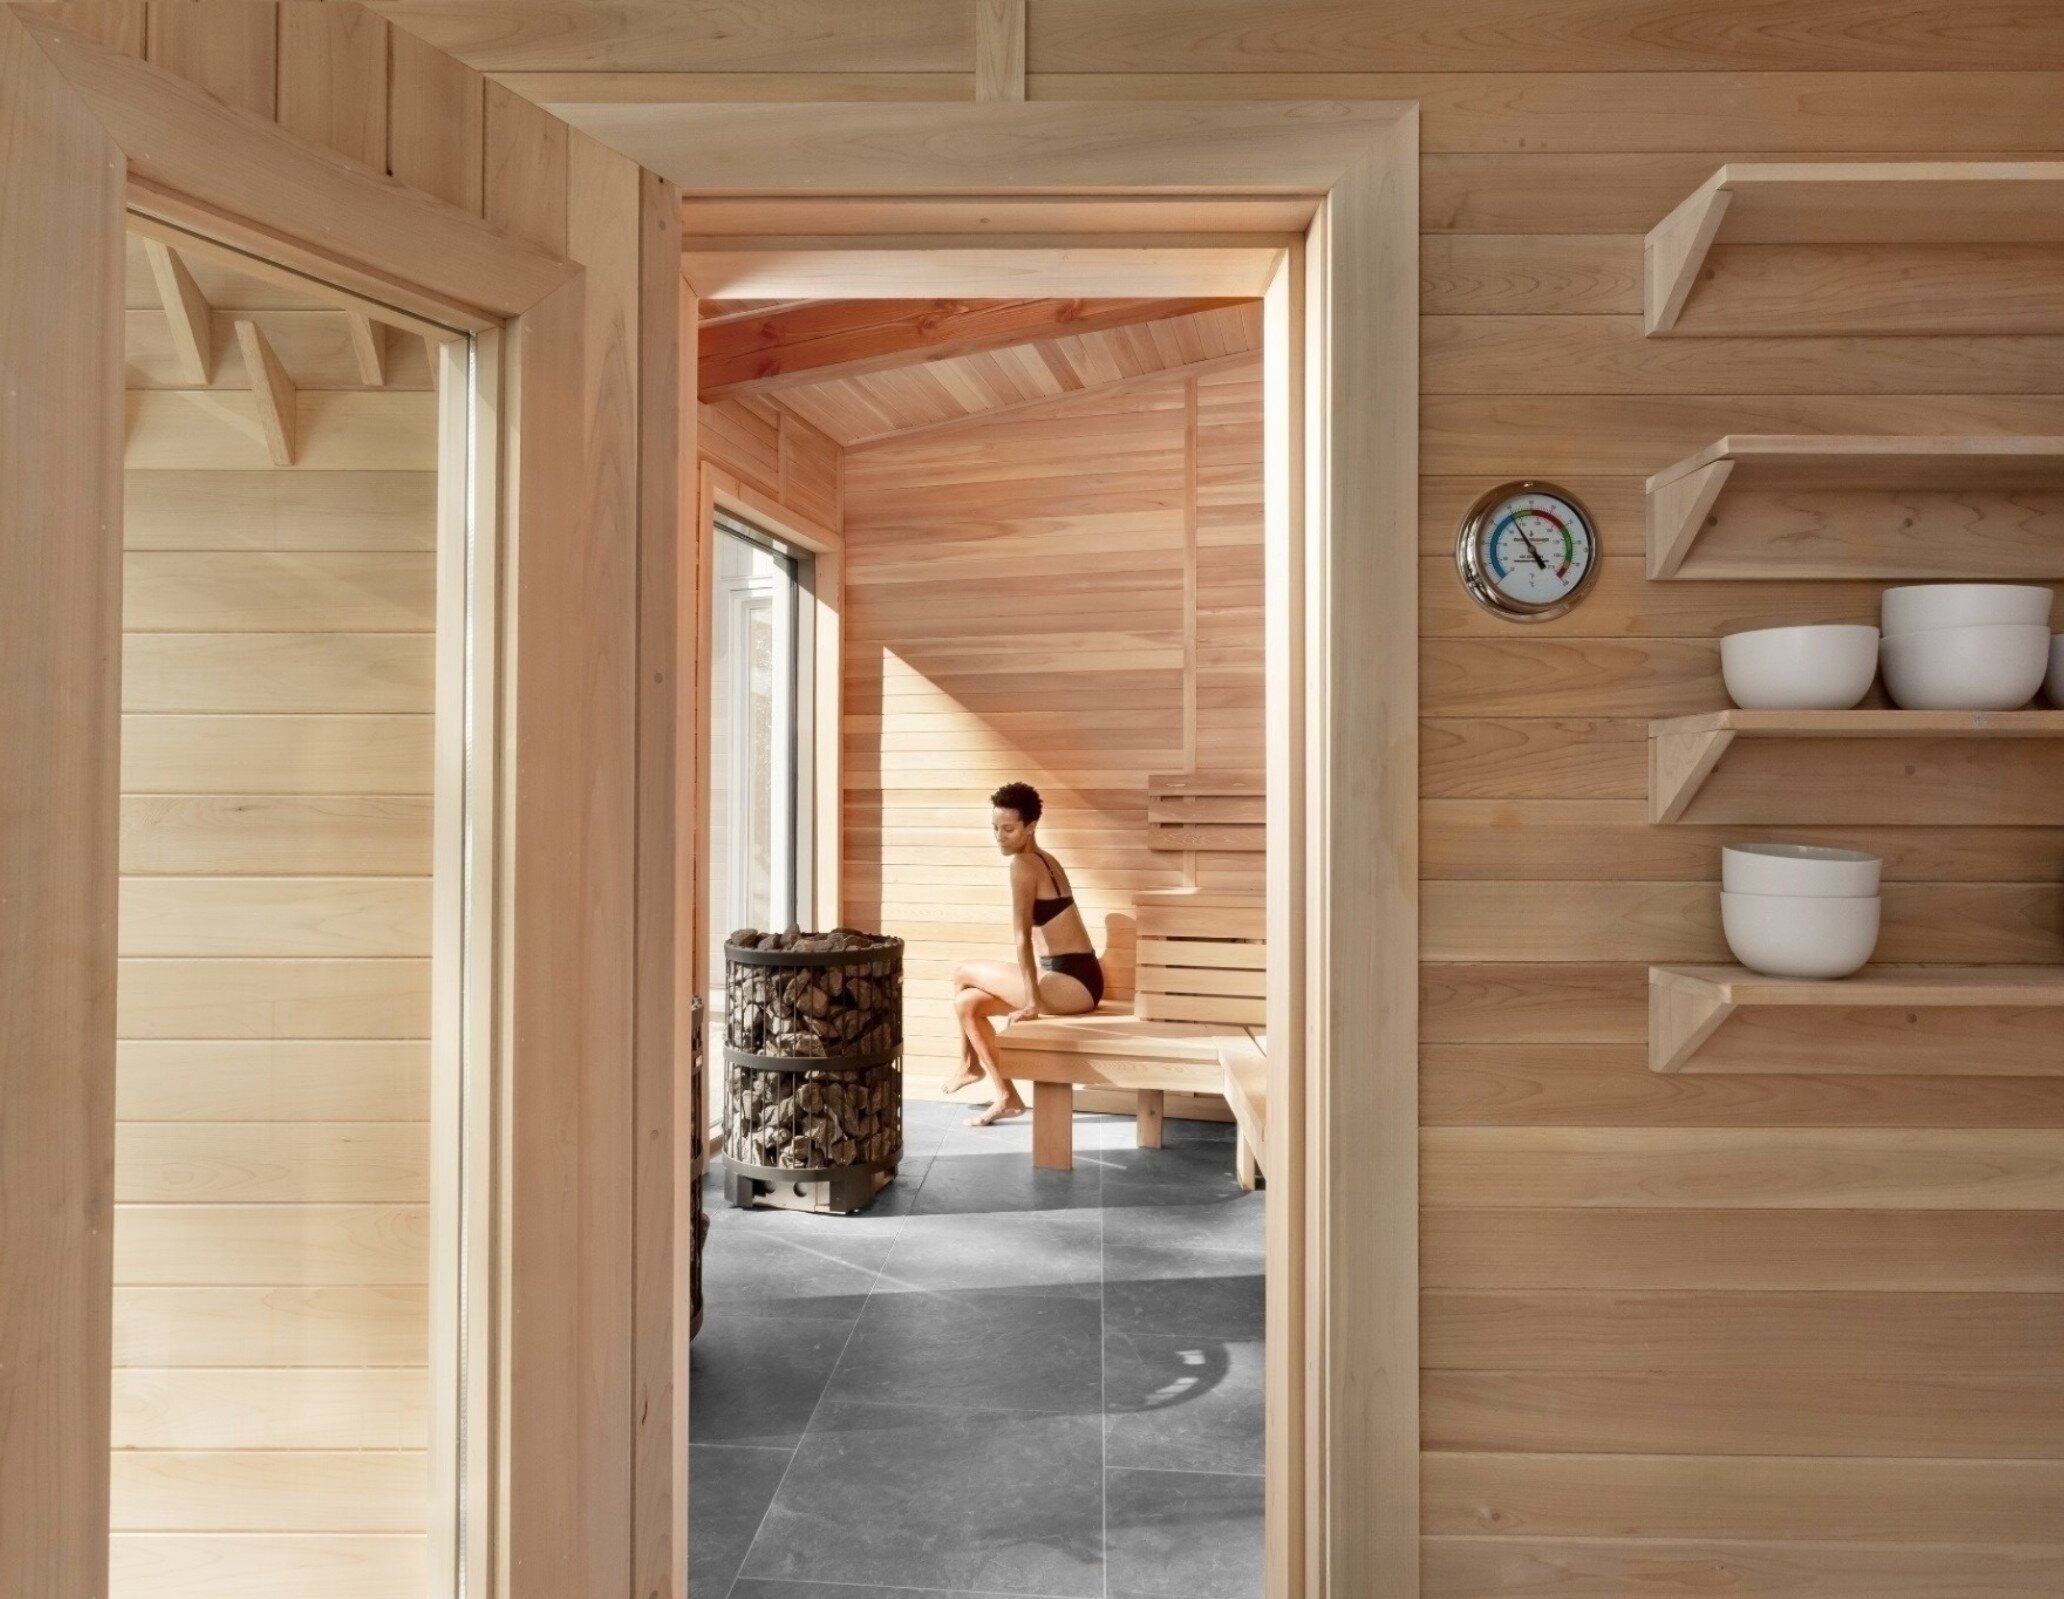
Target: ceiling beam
(847, 338)
(1053, 402)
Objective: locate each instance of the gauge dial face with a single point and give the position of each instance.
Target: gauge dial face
(1526, 551)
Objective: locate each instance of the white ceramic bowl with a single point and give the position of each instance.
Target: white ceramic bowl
(1806, 870)
(1995, 668)
(2053, 685)
(1800, 935)
(1799, 668)
(1920, 607)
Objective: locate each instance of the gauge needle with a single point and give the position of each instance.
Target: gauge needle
(1529, 543)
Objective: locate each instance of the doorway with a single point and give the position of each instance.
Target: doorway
(1051, 551)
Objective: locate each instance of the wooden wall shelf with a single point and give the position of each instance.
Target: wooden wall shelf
(1859, 202)
(1684, 750)
(1687, 1004)
(1681, 497)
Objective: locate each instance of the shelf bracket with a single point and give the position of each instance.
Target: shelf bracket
(1680, 1019)
(188, 312)
(1677, 764)
(1677, 512)
(272, 392)
(1676, 248)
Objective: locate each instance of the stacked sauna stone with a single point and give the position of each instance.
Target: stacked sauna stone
(833, 997)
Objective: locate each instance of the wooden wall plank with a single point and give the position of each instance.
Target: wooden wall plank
(1967, 1077)
(707, 36)
(333, 79)
(1713, 1496)
(435, 112)
(1976, 1414)
(1924, 1251)
(525, 180)
(230, 51)
(285, 1490)
(1197, 36)
(1459, 1567)
(206, 1566)
(1716, 1332)
(1537, 111)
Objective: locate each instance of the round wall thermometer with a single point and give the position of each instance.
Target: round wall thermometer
(1527, 551)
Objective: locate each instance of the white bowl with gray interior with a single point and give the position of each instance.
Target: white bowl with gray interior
(1800, 935)
(1819, 668)
(1809, 870)
(1922, 607)
(1992, 668)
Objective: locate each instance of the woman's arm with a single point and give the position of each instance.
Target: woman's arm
(1024, 889)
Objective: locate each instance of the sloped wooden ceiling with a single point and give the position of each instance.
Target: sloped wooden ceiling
(914, 380)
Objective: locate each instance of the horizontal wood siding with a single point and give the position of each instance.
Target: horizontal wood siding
(272, 1076)
(1554, 138)
(1072, 599)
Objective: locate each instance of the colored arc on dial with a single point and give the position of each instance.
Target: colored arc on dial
(1511, 519)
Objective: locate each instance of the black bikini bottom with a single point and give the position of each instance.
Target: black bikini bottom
(1084, 968)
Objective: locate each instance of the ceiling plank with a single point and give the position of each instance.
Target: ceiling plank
(846, 338)
(1044, 403)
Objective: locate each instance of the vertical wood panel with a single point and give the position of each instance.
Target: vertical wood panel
(229, 50)
(435, 111)
(605, 233)
(525, 178)
(60, 587)
(1366, 1164)
(333, 78)
(666, 1176)
(999, 49)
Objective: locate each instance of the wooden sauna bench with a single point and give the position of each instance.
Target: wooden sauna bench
(1198, 985)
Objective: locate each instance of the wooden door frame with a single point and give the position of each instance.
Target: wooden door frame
(89, 138)
(1314, 207)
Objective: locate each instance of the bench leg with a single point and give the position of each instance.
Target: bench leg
(1053, 1126)
(1148, 1118)
(1245, 1167)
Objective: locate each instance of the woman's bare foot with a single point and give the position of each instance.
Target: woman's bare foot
(966, 1075)
(1010, 1105)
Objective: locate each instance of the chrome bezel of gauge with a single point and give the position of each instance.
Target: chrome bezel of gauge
(1469, 554)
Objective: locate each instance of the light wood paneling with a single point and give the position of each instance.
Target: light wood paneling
(1712, 1496)
(272, 1153)
(333, 79)
(968, 604)
(253, 1565)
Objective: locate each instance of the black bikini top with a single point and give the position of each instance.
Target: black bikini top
(1045, 910)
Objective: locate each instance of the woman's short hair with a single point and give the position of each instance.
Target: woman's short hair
(1020, 797)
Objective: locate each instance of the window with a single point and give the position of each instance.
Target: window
(759, 872)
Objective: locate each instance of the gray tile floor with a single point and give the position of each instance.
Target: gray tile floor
(997, 1381)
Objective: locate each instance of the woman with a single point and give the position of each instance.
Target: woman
(1065, 980)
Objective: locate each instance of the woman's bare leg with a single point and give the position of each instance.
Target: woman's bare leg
(983, 975)
(978, 1009)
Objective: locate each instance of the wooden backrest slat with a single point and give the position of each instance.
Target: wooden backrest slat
(1201, 958)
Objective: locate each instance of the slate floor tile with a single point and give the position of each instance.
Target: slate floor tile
(1182, 1403)
(976, 1350)
(1190, 1535)
(1037, 1252)
(754, 1376)
(729, 1489)
(924, 1498)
